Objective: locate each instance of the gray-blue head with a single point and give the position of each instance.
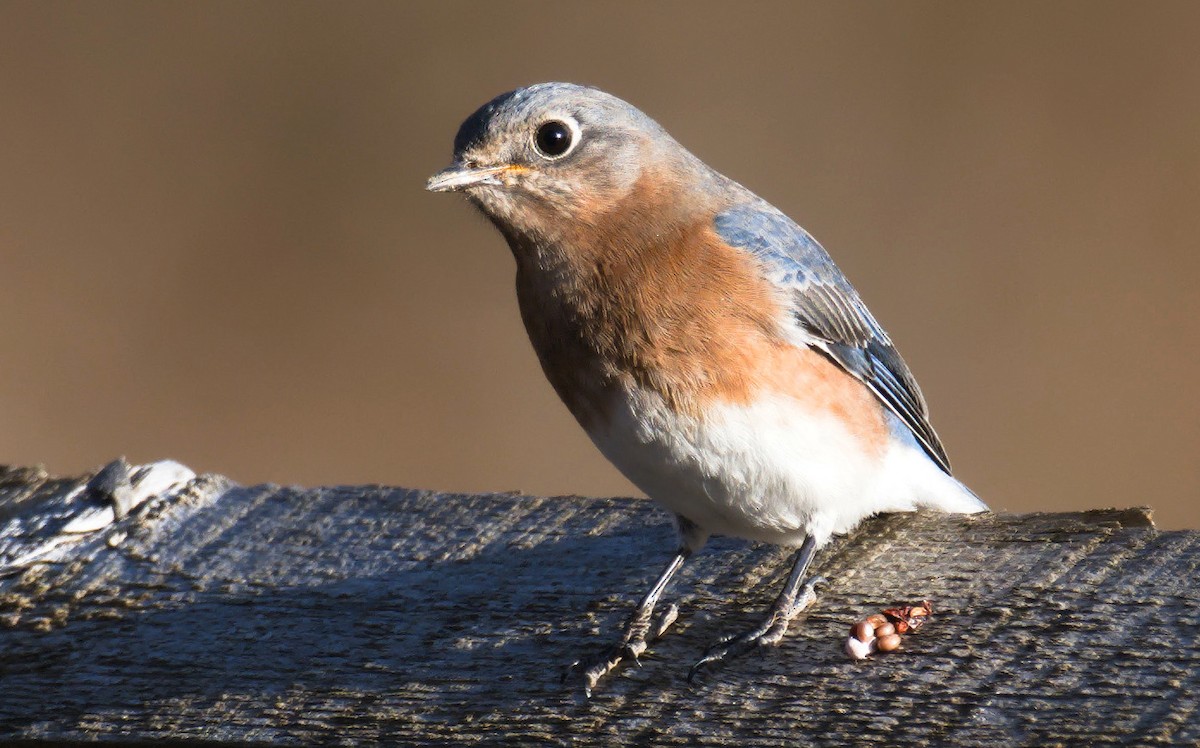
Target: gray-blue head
(555, 152)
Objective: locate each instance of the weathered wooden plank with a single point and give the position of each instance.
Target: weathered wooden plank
(223, 613)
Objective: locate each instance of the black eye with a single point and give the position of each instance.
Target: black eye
(553, 139)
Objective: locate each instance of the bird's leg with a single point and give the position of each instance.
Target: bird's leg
(794, 599)
(637, 629)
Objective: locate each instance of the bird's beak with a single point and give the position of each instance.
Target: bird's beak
(457, 177)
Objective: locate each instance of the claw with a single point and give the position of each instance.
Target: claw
(637, 631)
(769, 633)
(665, 621)
(632, 646)
(737, 645)
(806, 597)
(570, 670)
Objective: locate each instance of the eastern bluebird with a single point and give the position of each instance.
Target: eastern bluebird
(707, 344)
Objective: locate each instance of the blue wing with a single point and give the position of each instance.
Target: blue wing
(829, 311)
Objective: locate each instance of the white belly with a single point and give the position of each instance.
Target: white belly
(770, 471)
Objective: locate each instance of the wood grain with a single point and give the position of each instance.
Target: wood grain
(230, 614)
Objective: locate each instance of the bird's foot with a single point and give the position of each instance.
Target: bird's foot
(767, 634)
(639, 631)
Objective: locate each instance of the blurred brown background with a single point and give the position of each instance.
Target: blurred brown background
(215, 245)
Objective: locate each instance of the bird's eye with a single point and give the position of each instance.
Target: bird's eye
(555, 138)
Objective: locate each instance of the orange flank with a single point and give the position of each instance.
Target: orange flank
(807, 376)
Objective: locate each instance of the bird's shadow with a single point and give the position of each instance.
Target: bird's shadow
(490, 633)
(467, 629)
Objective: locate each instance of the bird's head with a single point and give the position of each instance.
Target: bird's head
(540, 159)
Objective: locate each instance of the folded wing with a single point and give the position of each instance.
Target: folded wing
(829, 313)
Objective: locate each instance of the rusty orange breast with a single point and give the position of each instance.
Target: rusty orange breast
(629, 299)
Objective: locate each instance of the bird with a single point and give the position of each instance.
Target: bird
(707, 344)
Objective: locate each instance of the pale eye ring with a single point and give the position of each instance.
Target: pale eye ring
(556, 137)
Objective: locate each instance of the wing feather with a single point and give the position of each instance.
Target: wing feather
(829, 311)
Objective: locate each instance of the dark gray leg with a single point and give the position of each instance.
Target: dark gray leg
(794, 599)
(637, 629)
